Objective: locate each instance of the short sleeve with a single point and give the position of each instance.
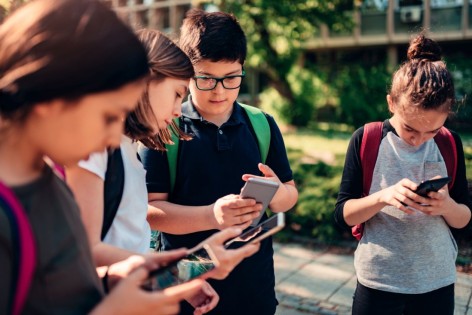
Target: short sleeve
(96, 164)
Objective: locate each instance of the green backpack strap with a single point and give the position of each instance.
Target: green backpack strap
(172, 150)
(259, 124)
(261, 128)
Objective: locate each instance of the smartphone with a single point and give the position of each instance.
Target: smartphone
(198, 262)
(263, 230)
(262, 190)
(431, 185)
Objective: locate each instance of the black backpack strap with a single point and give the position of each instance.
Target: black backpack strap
(113, 188)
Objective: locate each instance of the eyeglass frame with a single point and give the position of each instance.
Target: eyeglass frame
(220, 79)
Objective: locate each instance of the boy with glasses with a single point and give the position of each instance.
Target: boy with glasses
(212, 167)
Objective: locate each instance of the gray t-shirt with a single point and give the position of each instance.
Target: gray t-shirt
(399, 252)
(65, 280)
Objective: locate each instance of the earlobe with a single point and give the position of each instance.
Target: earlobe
(391, 105)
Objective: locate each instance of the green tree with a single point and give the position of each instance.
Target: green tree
(276, 31)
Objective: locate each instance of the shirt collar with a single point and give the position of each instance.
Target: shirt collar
(190, 111)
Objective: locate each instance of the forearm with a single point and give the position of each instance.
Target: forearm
(458, 215)
(357, 211)
(285, 198)
(177, 219)
(106, 254)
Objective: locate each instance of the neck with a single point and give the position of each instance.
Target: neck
(20, 161)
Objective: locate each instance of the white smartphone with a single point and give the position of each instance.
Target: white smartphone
(198, 262)
(263, 230)
(262, 190)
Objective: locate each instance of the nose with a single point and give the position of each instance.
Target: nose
(219, 87)
(177, 112)
(114, 135)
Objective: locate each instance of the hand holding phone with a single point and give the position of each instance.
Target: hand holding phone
(262, 190)
(263, 230)
(198, 262)
(431, 185)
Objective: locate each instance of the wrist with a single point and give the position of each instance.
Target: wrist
(210, 217)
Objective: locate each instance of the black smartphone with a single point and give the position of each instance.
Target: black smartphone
(198, 262)
(262, 190)
(431, 185)
(263, 230)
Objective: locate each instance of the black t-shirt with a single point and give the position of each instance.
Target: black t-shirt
(210, 166)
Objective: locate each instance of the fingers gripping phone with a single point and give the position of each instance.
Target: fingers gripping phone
(262, 190)
(263, 230)
(198, 262)
(431, 185)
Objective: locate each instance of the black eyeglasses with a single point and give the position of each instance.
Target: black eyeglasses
(229, 82)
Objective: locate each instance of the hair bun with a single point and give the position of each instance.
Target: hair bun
(424, 48)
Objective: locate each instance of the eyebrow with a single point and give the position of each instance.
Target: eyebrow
(236, 72)
(434, 130)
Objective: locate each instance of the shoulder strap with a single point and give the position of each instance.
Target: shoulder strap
(113, 188)
(447, 146)
(24, 248)
(172, 153)
(259, 124)
(261, 128)
(368, 153)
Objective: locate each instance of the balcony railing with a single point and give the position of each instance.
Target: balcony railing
(394, 24)
(164, 15)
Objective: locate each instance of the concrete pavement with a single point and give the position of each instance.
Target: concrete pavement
(310, 281)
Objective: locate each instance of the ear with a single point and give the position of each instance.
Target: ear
(46, 109)
(391, 105)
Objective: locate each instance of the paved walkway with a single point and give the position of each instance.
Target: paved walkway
(318, 282)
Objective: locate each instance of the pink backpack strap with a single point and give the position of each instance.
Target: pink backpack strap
(447, 146)
(369, 151)
(368, 154)
(24, 251)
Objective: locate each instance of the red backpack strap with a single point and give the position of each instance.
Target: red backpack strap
(447, 146)
(23, 246)
(368, 153)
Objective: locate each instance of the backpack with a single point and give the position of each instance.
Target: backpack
(23, 249)
(113, 188)
(370, 148)
(259, 124)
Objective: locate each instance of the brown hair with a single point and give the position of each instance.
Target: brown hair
(214, 36)
(65, 49)
(423, 81)
(166, 59)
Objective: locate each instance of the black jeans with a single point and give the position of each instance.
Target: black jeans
(369, 301)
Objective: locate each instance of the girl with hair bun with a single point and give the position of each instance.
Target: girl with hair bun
(405, 260)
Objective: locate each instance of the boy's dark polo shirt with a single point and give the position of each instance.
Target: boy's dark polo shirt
(211, 166)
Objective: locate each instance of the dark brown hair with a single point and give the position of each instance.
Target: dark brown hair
(166, 60)
(423, 81)
(214, 36)
(66, 49)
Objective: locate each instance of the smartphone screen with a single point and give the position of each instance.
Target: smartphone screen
(263, 230)
(185, 269)
(262, 191)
